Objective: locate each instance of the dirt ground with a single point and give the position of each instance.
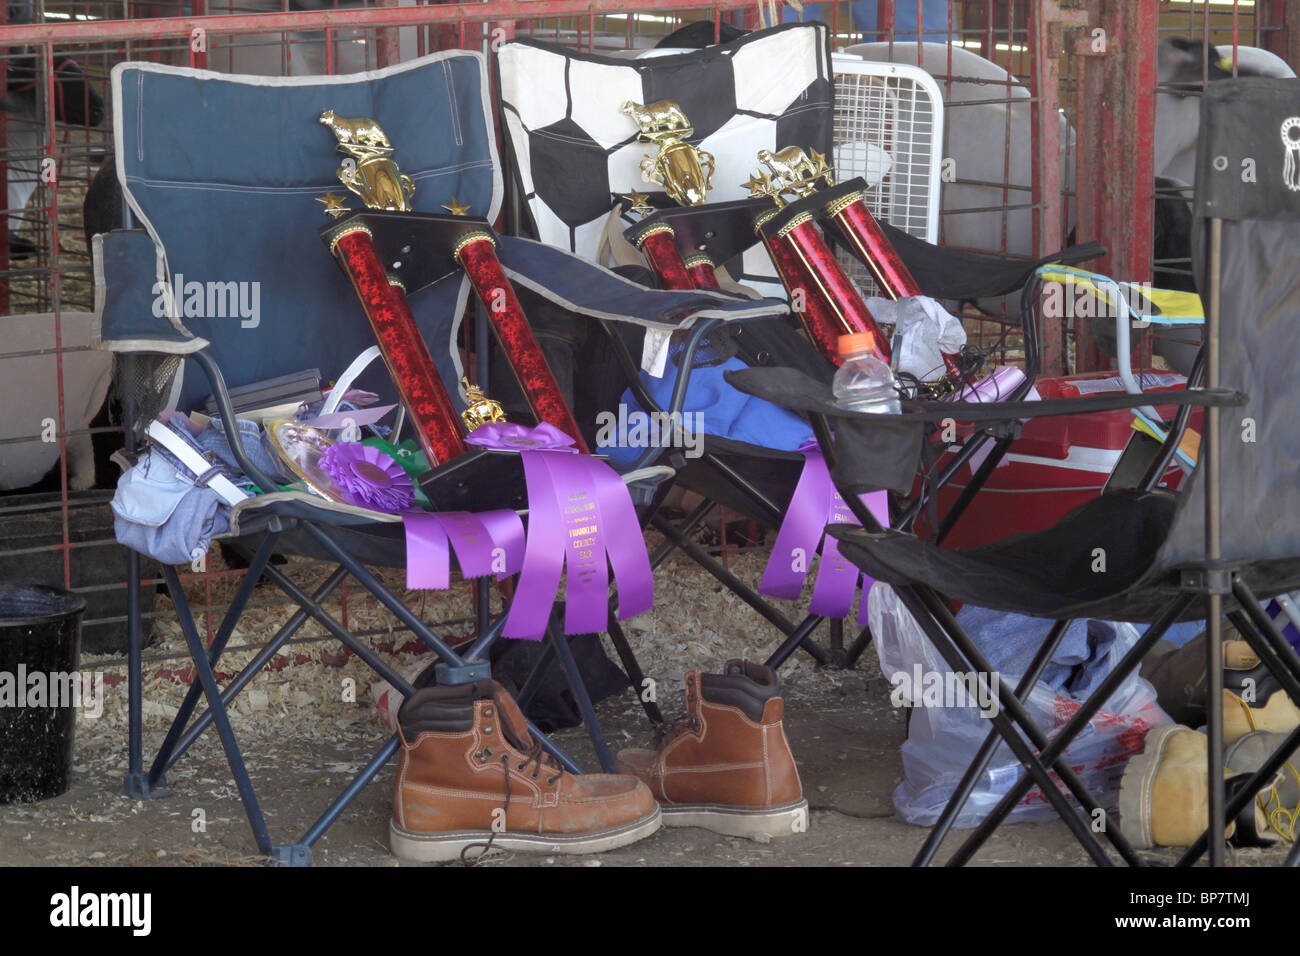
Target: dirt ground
(303, 741)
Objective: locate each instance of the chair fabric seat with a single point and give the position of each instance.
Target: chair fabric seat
(1050, 573)
(1094, 555)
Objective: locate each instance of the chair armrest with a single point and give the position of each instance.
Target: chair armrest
(130, 302)
(802, 393)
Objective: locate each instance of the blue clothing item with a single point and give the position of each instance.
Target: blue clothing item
(722, 411)
(934, 18)
(1009, 642)
(256, 447)
(1178, 634)
(160, 511)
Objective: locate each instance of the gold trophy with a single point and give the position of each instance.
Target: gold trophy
(791, 174)
(369, 170)
(481, 409)
(679, 167)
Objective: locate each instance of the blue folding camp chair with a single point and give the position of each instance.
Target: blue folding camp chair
(214, 207)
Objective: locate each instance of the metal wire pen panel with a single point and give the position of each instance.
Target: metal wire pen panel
(889, 131)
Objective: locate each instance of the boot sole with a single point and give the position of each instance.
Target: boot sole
(1135, 788)
(440, 847)
(754, 824)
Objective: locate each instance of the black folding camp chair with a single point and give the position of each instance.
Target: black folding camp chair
(1230, 538)
(569, 162)
(211, 209)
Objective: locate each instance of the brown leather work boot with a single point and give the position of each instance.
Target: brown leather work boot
(727, 767)
(470, 773)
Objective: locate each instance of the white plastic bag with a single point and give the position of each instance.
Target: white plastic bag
(943, 740)
(923, 331)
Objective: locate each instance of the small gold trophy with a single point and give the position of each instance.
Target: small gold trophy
(679, 167)
(791, 174)
(481, 409)
(369, 170)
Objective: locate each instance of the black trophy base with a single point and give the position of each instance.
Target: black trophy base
(482, 479)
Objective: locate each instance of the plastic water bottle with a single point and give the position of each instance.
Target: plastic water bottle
(865, 382)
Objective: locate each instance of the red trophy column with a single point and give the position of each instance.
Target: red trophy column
(405, 352)
(861, 230)
(700, 268)
(801, 237)
(476, 253)
(819, 321)
(660, 250)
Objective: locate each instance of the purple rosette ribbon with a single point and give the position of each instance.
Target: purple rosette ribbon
(581, 520)
(815, 505)
(367, 477)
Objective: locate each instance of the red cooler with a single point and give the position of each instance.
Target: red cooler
(1056, 465)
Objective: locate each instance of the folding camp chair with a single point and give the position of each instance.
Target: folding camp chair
(1229, 538)
(212, 209)
(570, 157)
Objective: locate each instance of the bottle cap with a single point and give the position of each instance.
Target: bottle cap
(856, 342)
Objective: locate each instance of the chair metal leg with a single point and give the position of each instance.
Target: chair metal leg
(237, 604)
(795, 640)
(250, 670)
(835, 649)
(359, 783)
(948, 624)
(557, 639)
(859, 645)
(1214, 724)
(952, 652)
(1072, 728)
(134, 784)
(632, 667)
(210, 690)
(692, 521)
(964, 789)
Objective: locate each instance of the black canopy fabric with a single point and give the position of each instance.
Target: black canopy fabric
(944, 273)
(1244, 178)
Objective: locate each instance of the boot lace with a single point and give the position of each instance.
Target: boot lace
(539, 759)
(669, 731)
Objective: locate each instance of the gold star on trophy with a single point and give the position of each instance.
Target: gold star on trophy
(819, 163)
(758, 184)
(640, 203)
(333, 204)
(456, 208)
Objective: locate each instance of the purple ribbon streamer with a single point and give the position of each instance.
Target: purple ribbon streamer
(816, 504)
(579, 502)
(491, 542)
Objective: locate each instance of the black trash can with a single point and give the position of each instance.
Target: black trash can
(40, 643)
(31, 528)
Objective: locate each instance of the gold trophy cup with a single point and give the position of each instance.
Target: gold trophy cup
(368, 169)
(685, 171)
